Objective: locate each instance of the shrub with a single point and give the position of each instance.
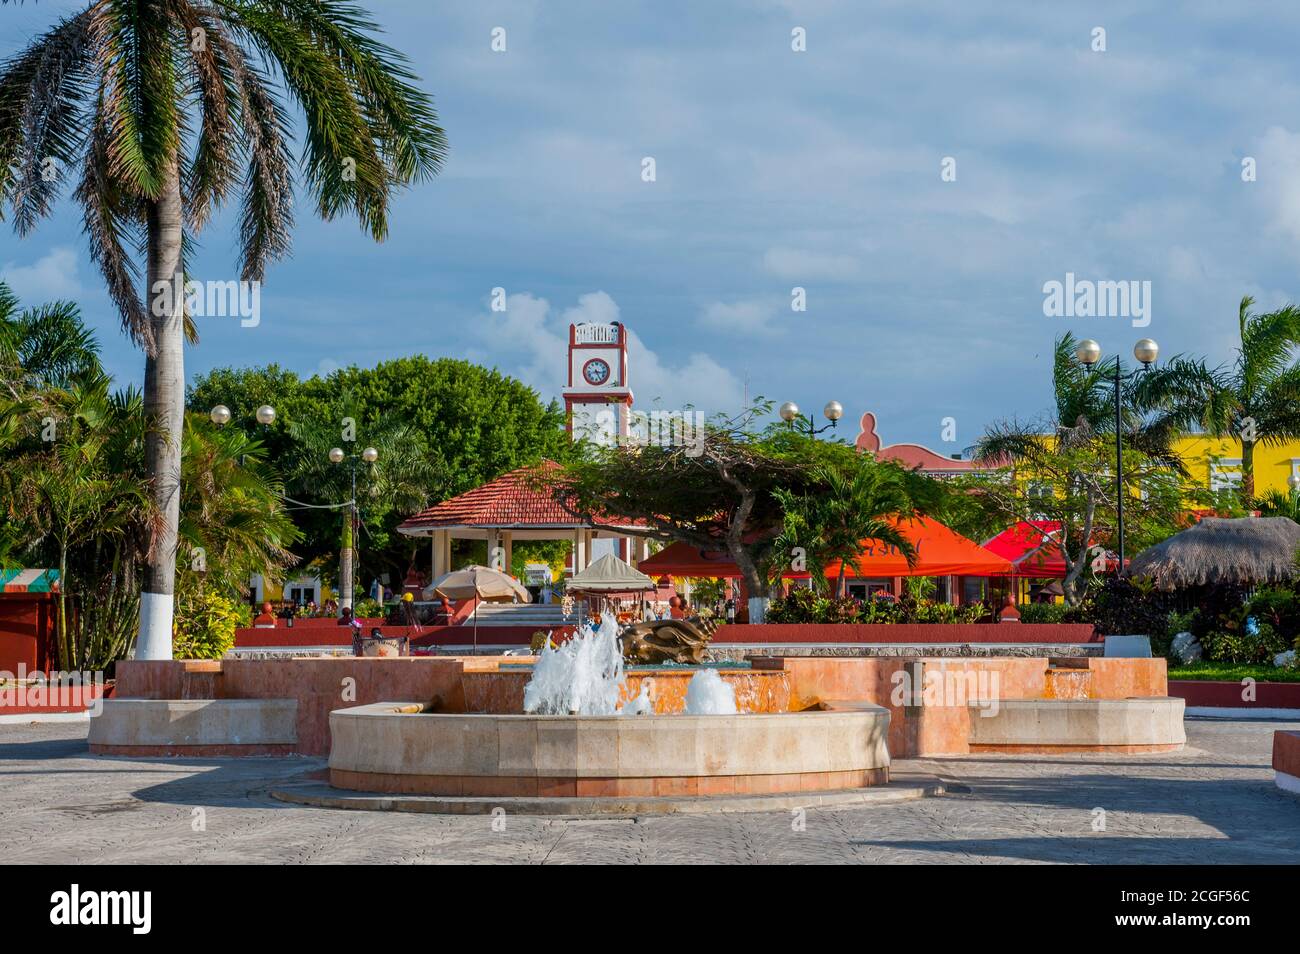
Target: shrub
(205, 625)
(1280, 608)
(1123, 607)
(1240, 638)
(1043, 612)
(805, 606)
(800, 606)
(368, 609)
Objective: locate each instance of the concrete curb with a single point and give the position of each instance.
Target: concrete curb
(318, 794)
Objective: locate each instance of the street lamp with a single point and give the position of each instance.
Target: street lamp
(337, 455)
(220, 415)
(266, 415)
(833, 411)
(1089, 353)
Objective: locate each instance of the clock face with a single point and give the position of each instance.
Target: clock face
(595, 371)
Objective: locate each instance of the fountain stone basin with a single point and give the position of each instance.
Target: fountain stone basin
(396, 747)
(501, 691)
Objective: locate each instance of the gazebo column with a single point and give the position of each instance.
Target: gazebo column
(441, 552)
(507, 545)
(579, 550)
(493, 541)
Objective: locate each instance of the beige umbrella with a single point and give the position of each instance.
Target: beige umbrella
(489, 585)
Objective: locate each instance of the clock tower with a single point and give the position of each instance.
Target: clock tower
(597, 398)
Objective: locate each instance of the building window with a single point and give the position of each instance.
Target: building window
(1225, 473)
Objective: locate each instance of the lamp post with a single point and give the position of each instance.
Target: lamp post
(220, 415)
(1089, 353)
(833, 410)
(346, 559)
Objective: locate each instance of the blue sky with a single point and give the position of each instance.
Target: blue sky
(819, 169)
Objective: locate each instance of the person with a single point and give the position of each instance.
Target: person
(408, 610)
(345, 618)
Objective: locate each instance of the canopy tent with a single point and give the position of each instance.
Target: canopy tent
(1244, 550)
(939, 552)
(1032, 547)
(30, 581)
(487, 584)
(609, 574)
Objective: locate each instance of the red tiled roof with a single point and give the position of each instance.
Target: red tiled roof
(509, 501)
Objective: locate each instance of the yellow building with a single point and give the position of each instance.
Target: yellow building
(1215, 463)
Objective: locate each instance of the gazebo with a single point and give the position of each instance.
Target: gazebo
(514, 506)
(1244, 551)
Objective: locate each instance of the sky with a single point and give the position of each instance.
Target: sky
(920, 169)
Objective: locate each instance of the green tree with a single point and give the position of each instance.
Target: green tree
(849, 505)
(716, 491)
(470, 423)
(1256, 400)
(387, 490)
(165, 109)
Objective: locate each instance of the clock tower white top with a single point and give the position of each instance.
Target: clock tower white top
(597, 398)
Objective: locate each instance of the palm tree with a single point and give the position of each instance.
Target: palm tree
(77, 495)
(165, 108)
(1256, 400)
(46, 345)
(847, 509)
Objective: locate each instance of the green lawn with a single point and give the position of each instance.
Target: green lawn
(1234, 672)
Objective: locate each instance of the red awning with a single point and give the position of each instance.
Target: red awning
(1032, 547)
(939, 552)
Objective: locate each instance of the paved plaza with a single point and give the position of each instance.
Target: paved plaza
(1213, 802)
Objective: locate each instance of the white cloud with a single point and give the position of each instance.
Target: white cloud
(802, 265)
(751, 316)
(532, 331)
(1279, 178)
(50, 277)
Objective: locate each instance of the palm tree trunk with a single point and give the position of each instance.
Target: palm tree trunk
(1248, 474)
(164, 407)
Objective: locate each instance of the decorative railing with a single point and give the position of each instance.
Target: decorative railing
(595, 334)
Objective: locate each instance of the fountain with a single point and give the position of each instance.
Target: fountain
(578, 723)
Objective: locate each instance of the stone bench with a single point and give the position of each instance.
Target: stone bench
(1152, 724)
(195, 727)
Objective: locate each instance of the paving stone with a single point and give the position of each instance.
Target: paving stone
(1213, 802)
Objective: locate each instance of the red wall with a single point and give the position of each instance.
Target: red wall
(26, 630)
(1227, 695)
(909, 633)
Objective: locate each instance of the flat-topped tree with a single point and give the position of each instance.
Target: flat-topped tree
(164, 109)
(715, 490)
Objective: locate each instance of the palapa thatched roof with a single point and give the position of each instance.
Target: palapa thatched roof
(1246, 550)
